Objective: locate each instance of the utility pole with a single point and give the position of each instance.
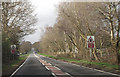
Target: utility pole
(0, 38)
(118, 30)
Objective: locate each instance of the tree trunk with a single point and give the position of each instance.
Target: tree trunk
(95, 55)
(112, 32)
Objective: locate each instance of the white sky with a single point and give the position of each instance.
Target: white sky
(46, 13)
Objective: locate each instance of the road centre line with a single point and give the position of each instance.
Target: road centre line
(55, 67)
(47, 68)
(85, 67)
(68, 74)
(54, 75)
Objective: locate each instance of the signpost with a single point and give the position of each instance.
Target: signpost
(13, 49)
(90, 43)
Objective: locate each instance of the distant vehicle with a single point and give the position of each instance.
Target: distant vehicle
(18, 54)
(25, 52)
(35, 52)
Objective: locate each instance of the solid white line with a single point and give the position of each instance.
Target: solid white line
(94, 69)
(87, 67)
(107, 72)
(19, 67)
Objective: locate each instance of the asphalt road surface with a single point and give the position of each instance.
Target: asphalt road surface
(33, 67)
(37, 66)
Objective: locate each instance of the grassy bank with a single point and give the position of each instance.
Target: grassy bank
(97, 64)
(8, 68)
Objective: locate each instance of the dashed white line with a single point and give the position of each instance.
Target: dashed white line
(61, 74)
(54, 75)
(36, 55)
(68, 74)
(47, 68)
(57, 68)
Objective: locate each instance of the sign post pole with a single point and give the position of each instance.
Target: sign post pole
(90, 52)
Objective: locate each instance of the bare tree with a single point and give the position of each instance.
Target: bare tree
(78, 20)
(17, 22)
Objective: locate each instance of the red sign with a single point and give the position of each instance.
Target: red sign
(90, 45)
(90, 42)
(13, 51)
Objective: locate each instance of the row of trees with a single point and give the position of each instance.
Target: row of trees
(76, 21)
(36, 46)
(17, 22)
(25, 47)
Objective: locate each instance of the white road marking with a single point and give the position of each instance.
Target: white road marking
(57, 68)
(43, 64)
(54, 75)
(61, 74)
(86, 67)
(54, 66)
(19, 67)
(47, 68)
(36, 55)
(107, 72)
(96, 69)
(68, 74)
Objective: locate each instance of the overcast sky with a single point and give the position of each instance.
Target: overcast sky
(46, 13)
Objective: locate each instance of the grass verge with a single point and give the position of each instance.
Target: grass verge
(100, 64)
(8, 68)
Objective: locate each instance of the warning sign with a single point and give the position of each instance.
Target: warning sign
(90, 42)
(13, 49)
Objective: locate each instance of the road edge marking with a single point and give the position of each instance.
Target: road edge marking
(96, 69)
(87, 67)
(19, 67)
(65, 73)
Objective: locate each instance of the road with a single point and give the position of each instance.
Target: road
(37, 65)
(32, 67)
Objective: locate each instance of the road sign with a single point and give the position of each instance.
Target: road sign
(13, 49)
(90, 42)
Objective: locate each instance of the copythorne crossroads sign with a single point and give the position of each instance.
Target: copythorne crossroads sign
(90, 42)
